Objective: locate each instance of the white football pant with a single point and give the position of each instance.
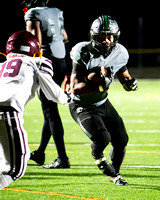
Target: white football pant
(14, 150)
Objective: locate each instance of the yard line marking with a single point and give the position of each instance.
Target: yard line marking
(141, 166)
(146, 145)
(52, 193)
(144, 131)
(141, 121)
(157, 152)
(85, 143)
(140, 114)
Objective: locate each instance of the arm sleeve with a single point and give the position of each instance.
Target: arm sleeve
(121, 70)
(51, 90)
(31, 15)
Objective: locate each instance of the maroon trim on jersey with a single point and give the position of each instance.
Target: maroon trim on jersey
(49, 61)
(11, 146)
(45, 71)
(23, 143)
(18, 148)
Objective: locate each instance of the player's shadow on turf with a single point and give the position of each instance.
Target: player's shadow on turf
(72, 165)
(83, 166)
(145, 186)
(142, 176)
(51, 173)
(34, 165)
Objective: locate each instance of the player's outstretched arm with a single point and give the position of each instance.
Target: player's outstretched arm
(51, 90)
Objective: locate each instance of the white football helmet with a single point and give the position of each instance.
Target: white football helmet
(104, 34)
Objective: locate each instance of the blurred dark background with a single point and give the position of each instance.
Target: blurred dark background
(138, 22)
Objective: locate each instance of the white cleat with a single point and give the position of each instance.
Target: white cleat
(118, 180)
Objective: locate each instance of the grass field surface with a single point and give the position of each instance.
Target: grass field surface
(141, 167)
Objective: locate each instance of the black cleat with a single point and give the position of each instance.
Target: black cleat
(118, 180)
(105, 167)
(58, 164)
(38, 157)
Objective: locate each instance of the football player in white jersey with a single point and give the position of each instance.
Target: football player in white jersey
(94, 65)
(21, 75)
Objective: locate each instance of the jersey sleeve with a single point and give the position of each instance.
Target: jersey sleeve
(119, 59)
(121, 70)
(45, 66)
(75, 54)
(79, 53)
(51, 90)
(32, 15)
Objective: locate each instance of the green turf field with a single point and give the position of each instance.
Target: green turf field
(141, 167)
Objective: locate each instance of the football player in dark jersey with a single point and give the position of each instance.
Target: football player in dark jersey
(94, 65)
(48, 25)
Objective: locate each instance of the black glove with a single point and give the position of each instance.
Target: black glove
(130, 84)
(69, 98)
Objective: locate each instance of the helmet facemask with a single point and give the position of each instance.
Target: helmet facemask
(104, 35)
(32, 3)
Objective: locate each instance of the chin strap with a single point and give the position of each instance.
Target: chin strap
(3, 54)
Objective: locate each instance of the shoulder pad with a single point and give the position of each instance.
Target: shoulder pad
(80, 52)
(45, 65)
(32, 14)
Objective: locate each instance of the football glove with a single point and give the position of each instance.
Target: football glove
(130, 84)
(69, 97)
(67, 84)
(108, 81)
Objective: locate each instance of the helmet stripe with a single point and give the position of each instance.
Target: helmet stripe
(105, 24)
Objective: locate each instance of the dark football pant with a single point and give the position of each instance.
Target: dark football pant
(52, 121)
(102, 125)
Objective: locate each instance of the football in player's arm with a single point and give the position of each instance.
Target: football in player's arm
(98, 79)
(95, 63)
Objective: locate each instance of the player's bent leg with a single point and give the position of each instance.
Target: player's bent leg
(94, 128)
(5, 179)
(99, 143)
(101, 161)
(18, 143)
(117, 155)
(105, 166)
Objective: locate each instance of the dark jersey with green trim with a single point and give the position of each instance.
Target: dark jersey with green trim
(52, 27)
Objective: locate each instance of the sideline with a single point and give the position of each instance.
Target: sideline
(52, 193)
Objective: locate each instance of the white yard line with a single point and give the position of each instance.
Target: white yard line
(141, 166)
(144, 131)
(141, 121)
(146, 145)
